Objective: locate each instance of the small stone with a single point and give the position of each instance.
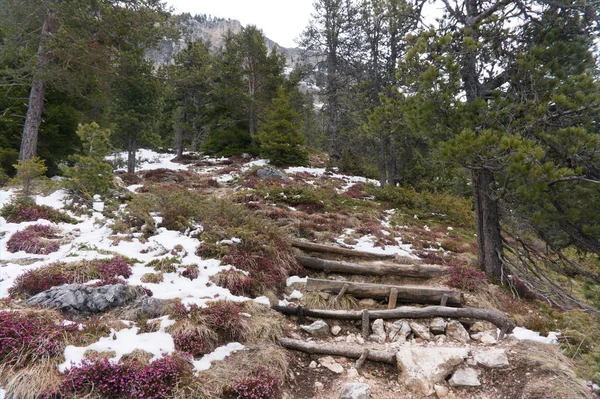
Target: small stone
(319, 386)
(367, 303)
(329, 363)
(355, 390)
(312, 365)
(360, 339)
(352, 373)
(441, 391)
(398, 331)
(339, 339)
(481, 326)
(438, 326)
(378, 331)
(351, 338)
(420, 331)
(318, 329)
(487, 339)
(492, 359)
(456, 332)
(464, 377)
(335, 330)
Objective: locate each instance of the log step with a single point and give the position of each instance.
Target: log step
(310, 246)
(406, 312)
(351, 352)
(421, 295)
(375, 269)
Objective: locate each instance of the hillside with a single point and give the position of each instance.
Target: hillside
(222, 278)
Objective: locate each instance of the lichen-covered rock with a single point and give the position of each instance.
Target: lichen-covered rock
(464, 377)
(269, 172)
(420, 331)
(378, 331)
(456, 332)
(492, 359)
(438, 326)
(75, 299)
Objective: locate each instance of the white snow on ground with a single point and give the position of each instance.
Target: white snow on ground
(218, 354)
(149, 160)
(318, 172)
(521, 333)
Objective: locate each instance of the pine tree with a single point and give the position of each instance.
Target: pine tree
(280, 135)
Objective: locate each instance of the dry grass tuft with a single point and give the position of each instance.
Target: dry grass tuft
(316, 300)
(200, 325)
(137, 357)
(265, 325)
(91, 354)
(31, 381)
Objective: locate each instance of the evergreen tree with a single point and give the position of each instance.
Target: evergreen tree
(280, 136)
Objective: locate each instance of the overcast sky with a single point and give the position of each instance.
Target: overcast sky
(280, 20)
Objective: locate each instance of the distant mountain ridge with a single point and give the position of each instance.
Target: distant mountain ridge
(212, 30)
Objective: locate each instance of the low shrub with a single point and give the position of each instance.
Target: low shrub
(466, 278)
(235, 281)
(36, 239)
(192, 343)
(165, 265)
(153, 278)
(190, 272)
(161, 377)
(226, 317)
(20, 212)
(35, 281)
(262, 385)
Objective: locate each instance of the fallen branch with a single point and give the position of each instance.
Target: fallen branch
(352, 352)
(376, 269)
(424, 295)
(310, 246)
(406, 312)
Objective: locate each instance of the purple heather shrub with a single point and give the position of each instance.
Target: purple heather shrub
(263, 385)
(19, 213)
(225, 315)
(34, 239)
(117, 266)
(465, 277)
(158, 379)
(27, 338)
(190, 272)
(102, 376)
(192, 343)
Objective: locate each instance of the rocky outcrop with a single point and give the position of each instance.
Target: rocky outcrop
(269, 172)
(355, 390)
(77, 299)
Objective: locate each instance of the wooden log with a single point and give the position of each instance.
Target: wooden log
(424, 295)
(409, 312)
(310, 246)
(375, 269)
(393, 298)
(365, 324)
(352, 352)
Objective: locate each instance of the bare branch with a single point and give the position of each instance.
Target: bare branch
(574, 178)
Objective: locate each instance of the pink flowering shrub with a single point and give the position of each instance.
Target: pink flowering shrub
(105, 379)
(34, 239)
(225, 315)
(26, 338)
(24, 212)
(235, 281)
(466, 278)
(263, 385)
(190, 272)
(35, 281)
(192, 343)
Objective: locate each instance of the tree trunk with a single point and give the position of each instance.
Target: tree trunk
(35, 107)
(489, 238)
(382, 160)
(131, 149)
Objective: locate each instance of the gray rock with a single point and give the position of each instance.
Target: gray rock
(456, 332)
(441, 391)
(318, 329)
(319, 386)
(398, 331)
(420, 331)
(464, 377)
(481, 326)
(145, 306)
(378, 331)
(77, 299)
(329, 363)
(422, 367)
(335, 330)
(492, 359)
(355, 390)
(438, 326)
(269, 172)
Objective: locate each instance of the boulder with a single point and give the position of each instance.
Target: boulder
(422, 367)
(355, 390)
(269, 172)
(79, 299)
(143, 307)
(438, 326)
(492, 359)
(329, 363)
(318, 329)
(456, 332)
(398, 331)
(464, 377)
(420, 331)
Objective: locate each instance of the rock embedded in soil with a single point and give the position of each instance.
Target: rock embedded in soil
(437, 325)
(378, 335)
(318, 329)
(355, 390)
(492, 359)
(420, 331)
(441, 391)
(456, 332)
(464, 377)
(80, 299)
(269, 172)
(335, 330)
(422, 367)
(329, 363)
